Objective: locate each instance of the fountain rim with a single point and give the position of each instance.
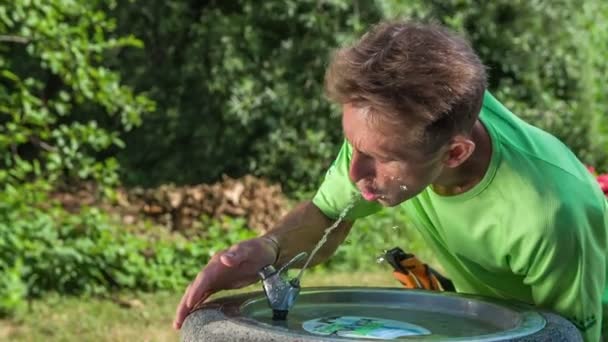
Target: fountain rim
(232, 307)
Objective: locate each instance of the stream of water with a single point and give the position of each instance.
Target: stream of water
(328, 230)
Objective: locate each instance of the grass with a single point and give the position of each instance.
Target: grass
(134, 316)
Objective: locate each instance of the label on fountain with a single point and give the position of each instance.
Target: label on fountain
(362, 327)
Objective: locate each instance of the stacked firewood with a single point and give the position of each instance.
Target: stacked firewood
(180, 208)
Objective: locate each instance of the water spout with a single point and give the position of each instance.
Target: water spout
(280, 292)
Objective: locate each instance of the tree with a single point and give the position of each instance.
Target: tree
(53, 83)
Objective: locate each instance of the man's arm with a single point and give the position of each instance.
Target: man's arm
(301, 230)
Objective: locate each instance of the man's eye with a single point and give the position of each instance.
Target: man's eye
(385, 160)
(364, 155)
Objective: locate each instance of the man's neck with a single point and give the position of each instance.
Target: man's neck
(472, 171)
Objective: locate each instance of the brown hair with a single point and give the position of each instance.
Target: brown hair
(420, 74)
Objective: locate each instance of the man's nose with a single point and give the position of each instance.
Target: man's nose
(361, 167)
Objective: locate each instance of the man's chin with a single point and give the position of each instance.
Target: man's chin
(389, 202)
(386, 202)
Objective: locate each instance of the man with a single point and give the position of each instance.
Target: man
(508, 210)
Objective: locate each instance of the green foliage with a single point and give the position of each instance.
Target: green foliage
(53, 84)
(12, 287)
(47, 249)
(52, 81)
(238, 86)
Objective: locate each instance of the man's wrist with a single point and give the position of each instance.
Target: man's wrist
(275, 244)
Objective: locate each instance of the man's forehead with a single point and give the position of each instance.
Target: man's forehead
(398, 146)
(371, 134)
(386, 123)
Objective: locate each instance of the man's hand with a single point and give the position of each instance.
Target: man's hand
(300, 230)
(233, 268)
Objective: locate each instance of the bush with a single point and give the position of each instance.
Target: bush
(43, 248)
(53, 84)
(246, 79)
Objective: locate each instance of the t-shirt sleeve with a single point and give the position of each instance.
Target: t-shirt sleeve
(565, 267)
(337, 191)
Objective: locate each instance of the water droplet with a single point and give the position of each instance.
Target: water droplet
(403, 187)
(395, 227)
(380, 259)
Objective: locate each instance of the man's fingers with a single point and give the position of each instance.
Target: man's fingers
(206, 283)
(182, 310)
(198, 288)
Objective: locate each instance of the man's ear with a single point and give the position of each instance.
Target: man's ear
(460, 149)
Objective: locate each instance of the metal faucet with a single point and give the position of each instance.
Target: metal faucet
(280, 292)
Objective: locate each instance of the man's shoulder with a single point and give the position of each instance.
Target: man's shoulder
(531, 153)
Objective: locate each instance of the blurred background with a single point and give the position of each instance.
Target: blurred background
(138, 138)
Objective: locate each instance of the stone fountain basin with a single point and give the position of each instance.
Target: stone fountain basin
(324, 314)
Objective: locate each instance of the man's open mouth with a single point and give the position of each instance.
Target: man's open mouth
(369, 195)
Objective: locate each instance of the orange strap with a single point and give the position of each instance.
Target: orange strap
(419, 275)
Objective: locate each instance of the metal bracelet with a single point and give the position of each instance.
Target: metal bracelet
(274, 241)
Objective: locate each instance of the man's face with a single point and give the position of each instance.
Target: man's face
(387, 165)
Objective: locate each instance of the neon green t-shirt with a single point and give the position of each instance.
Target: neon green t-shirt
(534, 229)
